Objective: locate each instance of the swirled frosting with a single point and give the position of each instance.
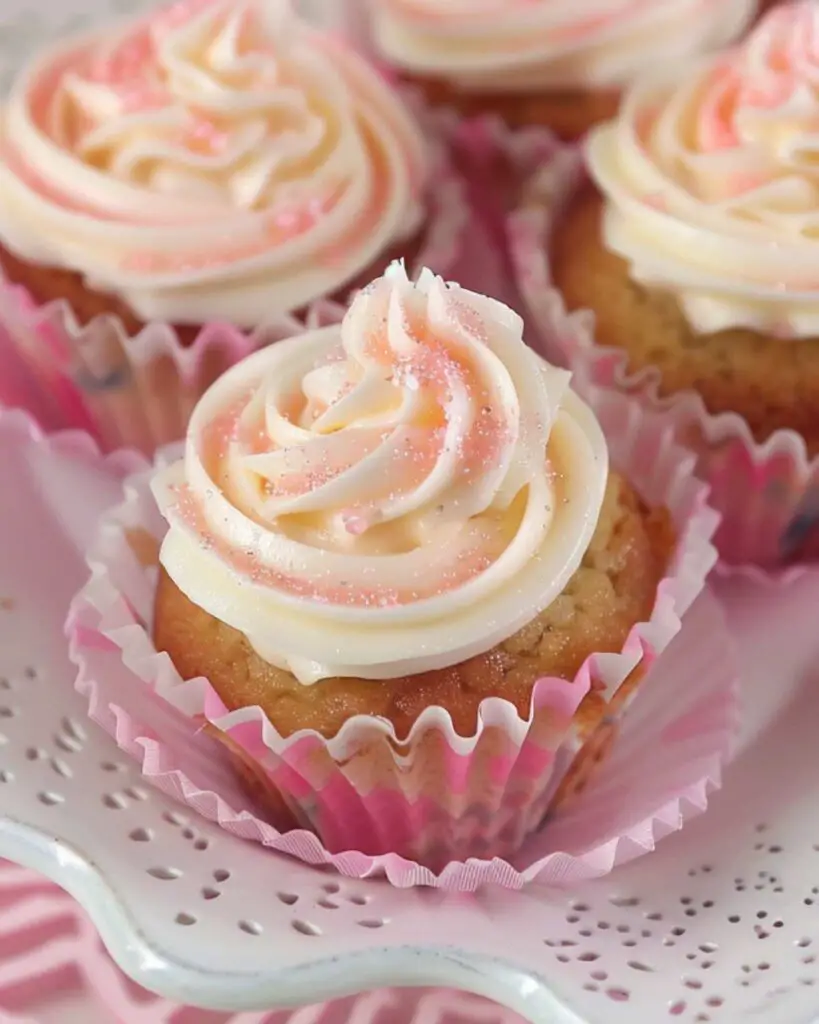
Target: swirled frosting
(515, 45)
(220, 160)
(711, 181)
(388, 496)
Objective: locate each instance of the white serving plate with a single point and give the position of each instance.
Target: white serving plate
(54, 970)
(721, 923)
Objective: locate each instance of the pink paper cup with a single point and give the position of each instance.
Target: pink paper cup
(767, 493)
(437, 808)
(133, 391)
(139, 390)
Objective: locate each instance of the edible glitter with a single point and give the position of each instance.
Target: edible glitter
(435, 366)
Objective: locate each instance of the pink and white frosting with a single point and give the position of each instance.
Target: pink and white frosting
(521, 45)
(219, 160)
(711, 181)
(387, 496)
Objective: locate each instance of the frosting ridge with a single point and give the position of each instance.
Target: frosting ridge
(512, 45)
(392, 495)
(219, 160)
(711, 181)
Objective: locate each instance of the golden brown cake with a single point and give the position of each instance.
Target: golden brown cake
(614, 588)
(773, 385)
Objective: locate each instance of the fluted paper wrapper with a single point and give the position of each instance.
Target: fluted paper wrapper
(766, 493)
(437, 808)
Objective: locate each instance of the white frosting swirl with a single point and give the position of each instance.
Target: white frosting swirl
(522, 45)
(389, 496)
(711, 180)
(220, 160)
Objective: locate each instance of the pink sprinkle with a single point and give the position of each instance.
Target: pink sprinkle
(127, 62)
(656, 200)
(205, 135)
(287, 220)
(136, 97)
(355, 524)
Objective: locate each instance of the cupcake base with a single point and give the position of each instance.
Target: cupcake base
(569, 113)
(615, 588)
(773, 384)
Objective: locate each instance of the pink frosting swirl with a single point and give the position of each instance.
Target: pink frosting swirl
(711, 178)
(220, 159)
(394, 495)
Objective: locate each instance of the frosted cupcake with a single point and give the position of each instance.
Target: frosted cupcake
(558, 63)
(217, 162)
(694, 245)
(399, 542)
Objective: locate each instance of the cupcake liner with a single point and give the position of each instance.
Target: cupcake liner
(126, 391)
(767, 493)
(138, 390)
(410, 809)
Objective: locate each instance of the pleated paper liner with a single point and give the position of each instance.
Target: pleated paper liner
(441, 809)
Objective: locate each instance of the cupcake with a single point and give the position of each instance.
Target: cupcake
(693, 243)
(558, 63)
(218, 162)
(396, 546)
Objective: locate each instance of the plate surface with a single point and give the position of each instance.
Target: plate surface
(719, 924)
(53, 969)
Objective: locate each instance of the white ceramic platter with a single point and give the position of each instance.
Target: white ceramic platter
(721, 923)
